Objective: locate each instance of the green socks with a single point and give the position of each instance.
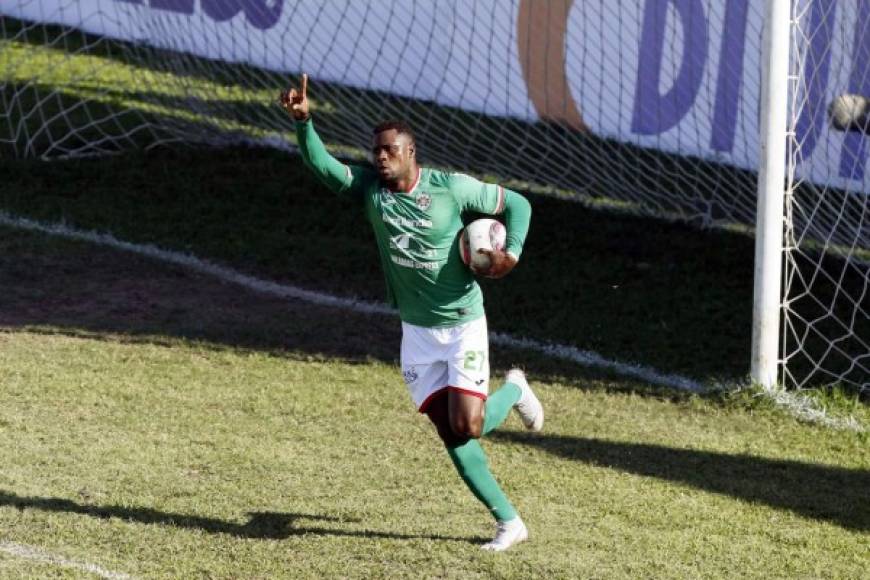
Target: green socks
(470, 460)
(498, 405)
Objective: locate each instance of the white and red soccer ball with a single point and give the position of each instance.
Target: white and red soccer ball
(485, 233)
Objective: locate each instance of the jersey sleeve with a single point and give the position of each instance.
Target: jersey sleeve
(517, 217)
(338, 177)
(474, 195)
(489, 198)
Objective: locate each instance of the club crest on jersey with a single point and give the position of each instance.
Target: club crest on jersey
(424, 200)
(410, 375)
(387, 198)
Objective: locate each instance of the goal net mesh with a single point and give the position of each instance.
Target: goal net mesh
(648, 107)
(826, 305)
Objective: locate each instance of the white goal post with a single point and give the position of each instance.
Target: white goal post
(764, 366)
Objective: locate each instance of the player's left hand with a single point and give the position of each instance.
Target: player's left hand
(295, 101)
(500, 263)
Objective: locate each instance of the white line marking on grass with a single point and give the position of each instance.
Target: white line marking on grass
(798, 406)
(581, 357)
(39, 555)
(589, 358)
(803, 407)
(199, 265)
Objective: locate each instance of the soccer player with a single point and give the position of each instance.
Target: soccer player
(415, 213)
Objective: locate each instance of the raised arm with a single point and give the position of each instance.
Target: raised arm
(333, 173)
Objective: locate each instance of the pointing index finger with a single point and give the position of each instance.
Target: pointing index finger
(304, 89)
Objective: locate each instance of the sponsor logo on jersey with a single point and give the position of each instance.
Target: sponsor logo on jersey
(400, 242)
(408, 263)
(424, 200)
(401, 222)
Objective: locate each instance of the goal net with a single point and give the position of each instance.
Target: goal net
(645, 106)
(826, 305)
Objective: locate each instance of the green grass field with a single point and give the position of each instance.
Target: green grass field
(165, 424)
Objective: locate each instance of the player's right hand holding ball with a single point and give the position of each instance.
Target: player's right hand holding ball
(500, 264)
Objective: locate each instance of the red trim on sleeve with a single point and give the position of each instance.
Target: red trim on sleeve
(499, 206)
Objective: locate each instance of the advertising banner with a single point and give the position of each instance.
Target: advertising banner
(681, 76)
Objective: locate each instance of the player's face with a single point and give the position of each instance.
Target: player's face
(392, 155)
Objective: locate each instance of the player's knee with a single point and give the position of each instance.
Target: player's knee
(467, 427)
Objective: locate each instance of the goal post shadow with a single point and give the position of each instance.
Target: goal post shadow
(819, 492)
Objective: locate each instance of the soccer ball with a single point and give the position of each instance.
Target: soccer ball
(487, 234)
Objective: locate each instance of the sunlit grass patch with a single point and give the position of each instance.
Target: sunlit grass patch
(161, 435)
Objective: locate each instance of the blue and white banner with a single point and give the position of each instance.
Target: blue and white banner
(681, 76)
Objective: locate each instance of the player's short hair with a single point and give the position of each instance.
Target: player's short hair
(396, 125)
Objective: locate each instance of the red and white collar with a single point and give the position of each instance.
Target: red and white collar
(416, 181)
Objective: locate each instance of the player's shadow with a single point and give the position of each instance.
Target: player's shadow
(261, 525)
(821, 492)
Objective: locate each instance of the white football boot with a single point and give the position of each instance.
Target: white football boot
(529, 407)
(507, 534)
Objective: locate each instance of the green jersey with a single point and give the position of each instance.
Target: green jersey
(417, 232)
